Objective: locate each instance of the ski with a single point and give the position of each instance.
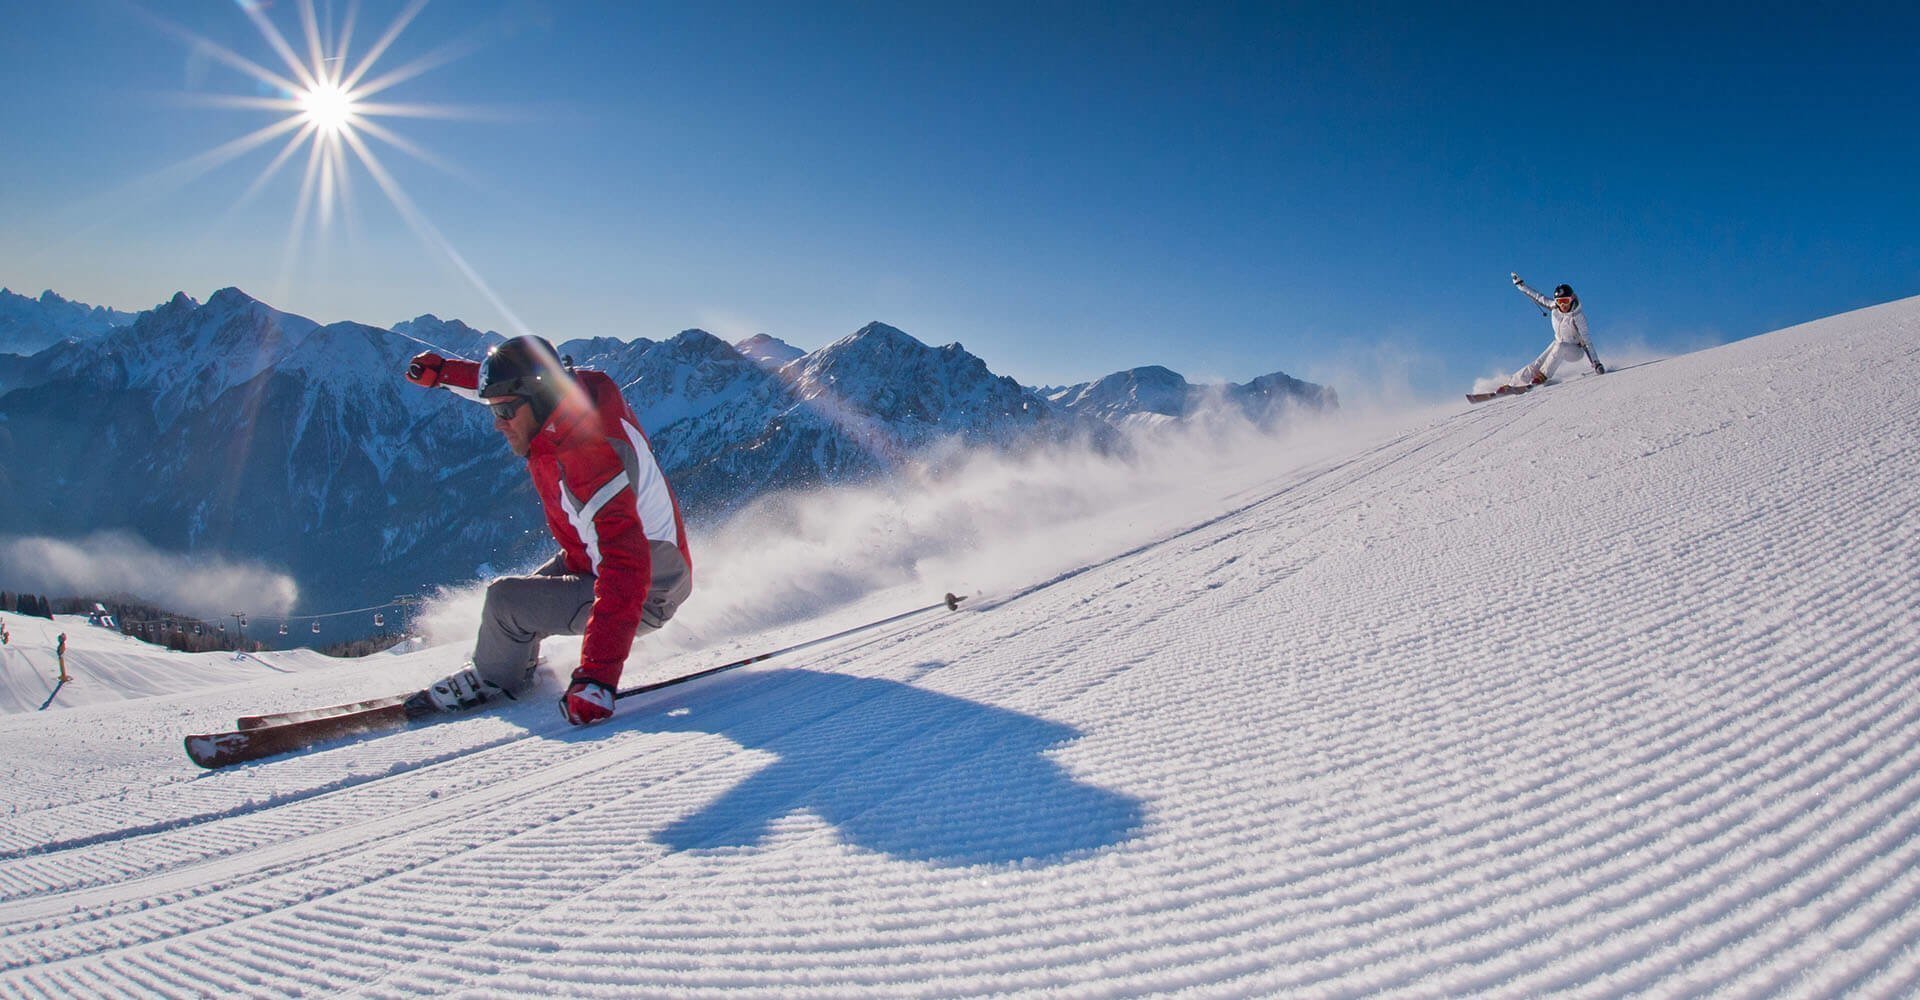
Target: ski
(214, 750)
(1508, 390)
(257, 736)
(310, 714)
(1505, 390)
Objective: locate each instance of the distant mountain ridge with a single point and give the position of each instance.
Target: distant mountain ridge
(229, 426)
(31, 325)
(1145, 394)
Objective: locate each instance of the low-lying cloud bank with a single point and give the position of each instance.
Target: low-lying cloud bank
(115, 563)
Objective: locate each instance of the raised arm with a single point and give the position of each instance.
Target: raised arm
(1538, 299)
(462, 378)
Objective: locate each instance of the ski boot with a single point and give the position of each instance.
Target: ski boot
(462, 691)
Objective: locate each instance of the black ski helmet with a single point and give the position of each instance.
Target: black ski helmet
(529, 367)
(1564, 292)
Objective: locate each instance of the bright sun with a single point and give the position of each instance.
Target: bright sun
(327, 107)
(328, 102)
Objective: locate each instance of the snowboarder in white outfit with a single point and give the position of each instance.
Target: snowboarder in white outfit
(1569, 335)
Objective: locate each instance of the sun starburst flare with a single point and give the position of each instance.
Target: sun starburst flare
(328, 108)
(327, 115)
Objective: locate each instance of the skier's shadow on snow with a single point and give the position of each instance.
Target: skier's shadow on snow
(895, 768)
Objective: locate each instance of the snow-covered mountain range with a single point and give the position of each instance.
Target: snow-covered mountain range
(232, 427)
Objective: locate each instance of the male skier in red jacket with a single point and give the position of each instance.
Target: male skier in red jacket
(623, 566)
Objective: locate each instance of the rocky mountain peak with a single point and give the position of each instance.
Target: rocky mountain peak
(768, 351)
(700, 343)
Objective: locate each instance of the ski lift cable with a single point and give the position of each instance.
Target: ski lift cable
(397, 602)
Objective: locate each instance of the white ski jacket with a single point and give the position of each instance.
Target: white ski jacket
(1568, 327)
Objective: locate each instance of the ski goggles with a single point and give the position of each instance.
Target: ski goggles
(506, 408)
(1564, 302)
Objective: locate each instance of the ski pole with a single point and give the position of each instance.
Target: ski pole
(951, 603)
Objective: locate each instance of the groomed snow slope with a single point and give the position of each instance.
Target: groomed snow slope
(104, 666)
(1609, 688)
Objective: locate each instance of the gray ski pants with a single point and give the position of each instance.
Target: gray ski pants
(522, 610)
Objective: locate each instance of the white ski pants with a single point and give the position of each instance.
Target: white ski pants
(1543, 366)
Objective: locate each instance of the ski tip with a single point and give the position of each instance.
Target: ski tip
(208, 751)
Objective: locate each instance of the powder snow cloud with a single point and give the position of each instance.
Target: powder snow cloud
(984, 523)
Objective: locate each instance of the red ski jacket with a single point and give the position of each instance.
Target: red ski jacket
(605, 500)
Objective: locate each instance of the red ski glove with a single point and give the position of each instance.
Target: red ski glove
(424, 369)
(587, 701)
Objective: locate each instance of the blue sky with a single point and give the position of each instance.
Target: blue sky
(1337, 191)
